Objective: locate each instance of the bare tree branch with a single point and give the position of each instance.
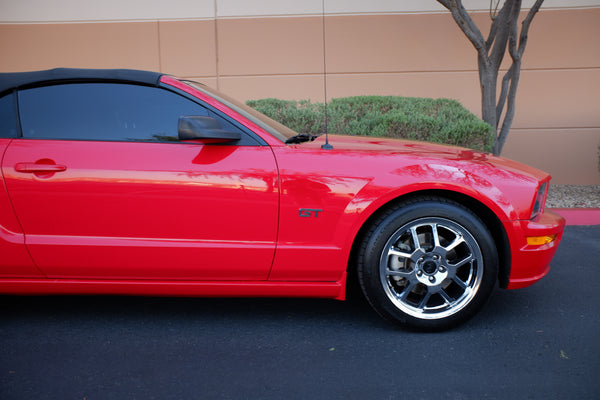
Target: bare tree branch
(513, 33)
(492, 35)
(504, 92)
(526, 25)
(510, 109)
(503, 36)
(494, 27)
(466, 24)
(501, 25)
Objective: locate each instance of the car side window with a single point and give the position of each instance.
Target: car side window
(105, 111)
(8, 120)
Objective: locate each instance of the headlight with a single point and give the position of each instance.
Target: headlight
(540, 200)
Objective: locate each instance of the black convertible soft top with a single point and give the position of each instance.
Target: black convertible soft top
(11, 80)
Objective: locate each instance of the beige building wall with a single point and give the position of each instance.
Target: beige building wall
(287, 49)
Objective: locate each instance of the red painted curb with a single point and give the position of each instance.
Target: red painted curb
(579, 216)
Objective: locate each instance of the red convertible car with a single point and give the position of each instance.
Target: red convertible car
(135, 182)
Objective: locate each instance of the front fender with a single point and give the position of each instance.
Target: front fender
(416, 179)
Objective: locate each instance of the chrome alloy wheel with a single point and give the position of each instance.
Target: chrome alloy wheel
(431, 268)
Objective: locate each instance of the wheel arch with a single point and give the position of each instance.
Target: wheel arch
(488, 217)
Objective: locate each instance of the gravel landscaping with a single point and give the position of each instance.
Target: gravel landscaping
(573, 196)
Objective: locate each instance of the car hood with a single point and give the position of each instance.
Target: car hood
(426, 150)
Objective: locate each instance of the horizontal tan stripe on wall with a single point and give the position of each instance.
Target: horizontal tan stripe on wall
(570, 155)
(394, 43)
(188, 48)
(102, 45)
(270, 46)
(390, 43)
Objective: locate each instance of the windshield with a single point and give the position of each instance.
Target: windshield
(276, 129)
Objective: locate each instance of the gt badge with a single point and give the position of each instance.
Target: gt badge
(309, 212)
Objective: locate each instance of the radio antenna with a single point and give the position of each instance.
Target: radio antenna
(325, 146)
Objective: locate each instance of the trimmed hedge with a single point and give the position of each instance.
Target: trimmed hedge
(435, 120)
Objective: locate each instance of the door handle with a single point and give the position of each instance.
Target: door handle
(33, 167)
(44, 168)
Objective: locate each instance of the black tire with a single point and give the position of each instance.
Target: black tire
(427, 264)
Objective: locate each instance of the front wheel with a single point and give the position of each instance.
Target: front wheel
(427, 264)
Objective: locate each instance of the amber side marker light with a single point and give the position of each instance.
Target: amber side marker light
(540, 240)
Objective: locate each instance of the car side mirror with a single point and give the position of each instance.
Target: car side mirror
(204, 129)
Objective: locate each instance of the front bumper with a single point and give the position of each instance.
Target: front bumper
(530, 263)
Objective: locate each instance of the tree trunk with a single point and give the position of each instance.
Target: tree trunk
(487, 79)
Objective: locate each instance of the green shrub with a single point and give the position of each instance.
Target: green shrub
(435, 120)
